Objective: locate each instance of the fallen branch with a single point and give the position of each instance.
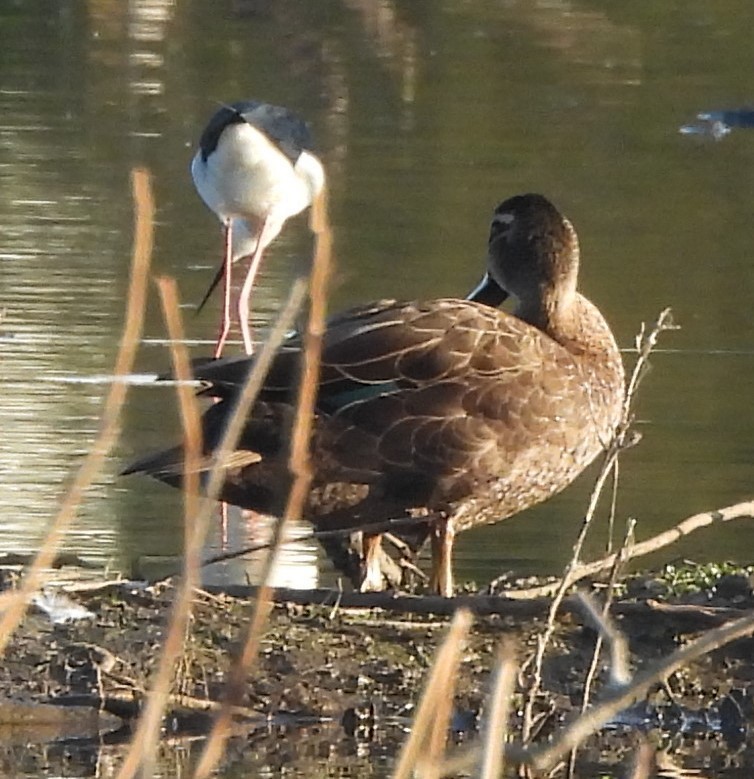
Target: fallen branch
(666, 538)
(685, 617)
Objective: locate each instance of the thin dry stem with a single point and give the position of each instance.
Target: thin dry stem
(620, 673)
(108, 434)
(144, 743)
(641, 766)
(300, 469)
(544, 639)
(437, 691)
(619, 670)
(496, 725)
(545, 758)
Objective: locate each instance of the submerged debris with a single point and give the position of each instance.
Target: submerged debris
(718, 124)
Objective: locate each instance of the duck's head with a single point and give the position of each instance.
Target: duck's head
(533, 255)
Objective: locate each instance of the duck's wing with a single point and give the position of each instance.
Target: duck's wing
(421, 400)
(460, 406)
(378, 348)
(283, 127)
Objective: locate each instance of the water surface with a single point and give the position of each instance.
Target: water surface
(427, 115)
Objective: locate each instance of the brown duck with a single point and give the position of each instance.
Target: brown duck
(444, 414)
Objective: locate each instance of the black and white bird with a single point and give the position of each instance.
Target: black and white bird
(255, 169)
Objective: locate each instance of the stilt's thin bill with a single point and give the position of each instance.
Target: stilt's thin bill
(215, 281)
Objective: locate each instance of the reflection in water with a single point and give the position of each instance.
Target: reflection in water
(296, 565)
(393, 42)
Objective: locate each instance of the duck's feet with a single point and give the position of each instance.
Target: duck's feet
(378, 570)
(364, 561)
(442, 537)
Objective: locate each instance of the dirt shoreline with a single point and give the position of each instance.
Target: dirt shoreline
(356, 673)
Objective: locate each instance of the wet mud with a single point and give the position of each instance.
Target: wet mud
(336, 686)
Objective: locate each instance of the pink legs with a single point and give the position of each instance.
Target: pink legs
(268, 230)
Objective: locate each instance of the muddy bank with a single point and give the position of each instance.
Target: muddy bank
(335, 684)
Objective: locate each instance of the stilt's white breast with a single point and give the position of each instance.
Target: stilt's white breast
(247, 179)
(248, 176)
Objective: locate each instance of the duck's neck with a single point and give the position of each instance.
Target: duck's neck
(570, 319)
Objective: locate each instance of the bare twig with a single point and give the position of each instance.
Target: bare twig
(619, 699)
(619, 671)
(94, 460)
(666, 538)
(620, 674)
(130, 695)
(234, 428)
(645, 343)
(301, 470)
(641, 765)
(544, 758)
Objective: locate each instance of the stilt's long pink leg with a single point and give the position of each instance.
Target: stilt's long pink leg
(228, 262)
(267, 232)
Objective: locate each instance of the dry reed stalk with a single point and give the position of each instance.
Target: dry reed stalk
(620, 673)
(495, 734)
(300, 469)
(641, 765)
(607, 632)
(145, 740)
(422, 750)
(543, 640)
(109, 428)
(619, 670)
(645, 342)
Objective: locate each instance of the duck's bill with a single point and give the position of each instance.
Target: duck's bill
(488, 292)
(220, 273)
